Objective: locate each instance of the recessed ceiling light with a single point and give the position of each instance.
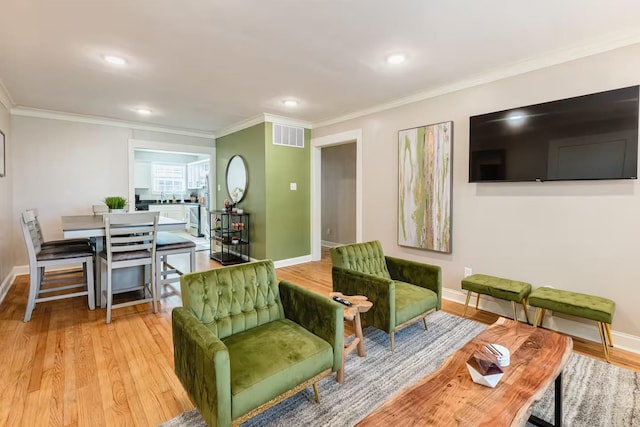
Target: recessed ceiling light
(396, 58)
(290, 103)
(115, 60)
(143, 111)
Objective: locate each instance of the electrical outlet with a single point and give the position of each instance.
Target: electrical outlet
(328, 231)
(468, 271)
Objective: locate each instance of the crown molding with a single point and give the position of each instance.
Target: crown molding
(244, 124)
(81, 118)
(5, 97)
(532, 64)
(286, 121)
(262, 118)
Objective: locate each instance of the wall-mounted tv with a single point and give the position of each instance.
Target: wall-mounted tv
(587, 137)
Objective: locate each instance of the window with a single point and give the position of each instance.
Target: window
(168, 178)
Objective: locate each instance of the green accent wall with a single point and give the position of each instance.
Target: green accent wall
(288, 211)
(249, 143)
(280, 217)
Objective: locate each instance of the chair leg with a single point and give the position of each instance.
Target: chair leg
(608, 329)
(34, 288)
(109, 294)
(515, 313)
(155, 301)
(466, 304)
(524, 307)
(393, 341)
(88, 270)
(424, 320)
(315, 391)
(603, 338)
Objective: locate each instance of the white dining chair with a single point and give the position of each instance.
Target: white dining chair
(130, 242)
(166, 273)
(99, 209)
(50, 244)
(54, 285)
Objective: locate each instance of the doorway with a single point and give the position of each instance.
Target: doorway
(317, 145)
(175, 180)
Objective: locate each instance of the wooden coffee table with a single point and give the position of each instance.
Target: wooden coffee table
(448, 396)
(359, 304)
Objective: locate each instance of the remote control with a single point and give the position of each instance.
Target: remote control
(342, 301)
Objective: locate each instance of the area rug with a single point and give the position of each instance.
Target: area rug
(595, 393)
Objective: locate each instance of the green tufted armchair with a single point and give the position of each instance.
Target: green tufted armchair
(243, 342)
(402, 291)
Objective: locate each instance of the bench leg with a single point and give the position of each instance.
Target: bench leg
(537, 319)
(603, 338)
(477, 300)
(608, 328)
(515, 313)
(466, 304)
(524, 306)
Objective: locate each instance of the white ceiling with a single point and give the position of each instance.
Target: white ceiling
(208, 64)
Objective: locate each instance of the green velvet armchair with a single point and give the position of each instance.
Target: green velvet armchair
(243, 342)
(402, 291)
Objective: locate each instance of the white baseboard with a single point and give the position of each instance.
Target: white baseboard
(329, 244)
(292, 261)
(559, 323)
(8, 282)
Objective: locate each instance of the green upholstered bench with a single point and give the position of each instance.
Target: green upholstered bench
(576, 304)
(497, 287)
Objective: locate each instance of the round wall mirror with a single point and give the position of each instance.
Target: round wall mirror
(236, 178)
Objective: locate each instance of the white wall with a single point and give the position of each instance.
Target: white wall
(7, 221)
(339, 193)
(579, 236)
(63, 168)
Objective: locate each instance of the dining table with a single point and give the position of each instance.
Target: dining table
(92, 226)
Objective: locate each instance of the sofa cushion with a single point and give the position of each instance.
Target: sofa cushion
(412, 300)
(363, 257)
(270, 359)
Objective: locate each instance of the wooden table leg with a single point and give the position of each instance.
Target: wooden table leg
(358, 327)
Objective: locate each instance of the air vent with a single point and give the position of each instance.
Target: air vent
(288, 136)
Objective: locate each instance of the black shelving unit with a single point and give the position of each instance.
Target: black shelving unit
(229, 237)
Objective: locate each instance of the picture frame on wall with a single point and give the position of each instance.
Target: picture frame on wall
(425, 162)
(3, 163)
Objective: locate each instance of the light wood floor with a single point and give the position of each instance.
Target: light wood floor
(66, 367)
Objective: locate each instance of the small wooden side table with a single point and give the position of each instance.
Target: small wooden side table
(359, 304)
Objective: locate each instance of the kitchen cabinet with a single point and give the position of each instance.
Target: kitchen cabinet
(197, 173)
(172, 210)
(142, 174)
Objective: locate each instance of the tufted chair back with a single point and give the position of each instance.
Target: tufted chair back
(363, 257)
(233, 299)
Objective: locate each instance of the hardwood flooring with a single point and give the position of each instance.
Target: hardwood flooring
(67, 367)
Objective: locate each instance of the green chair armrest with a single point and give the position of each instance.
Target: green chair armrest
(317, 314)
(378, 289)
(417, 273)
(201, 362)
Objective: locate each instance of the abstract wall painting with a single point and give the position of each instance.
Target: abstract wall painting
(425, 163)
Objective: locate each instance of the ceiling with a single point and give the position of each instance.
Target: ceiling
(208, 64)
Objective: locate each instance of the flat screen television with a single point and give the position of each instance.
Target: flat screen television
(587, 137)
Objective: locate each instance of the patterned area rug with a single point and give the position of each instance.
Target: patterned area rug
(595, 393)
